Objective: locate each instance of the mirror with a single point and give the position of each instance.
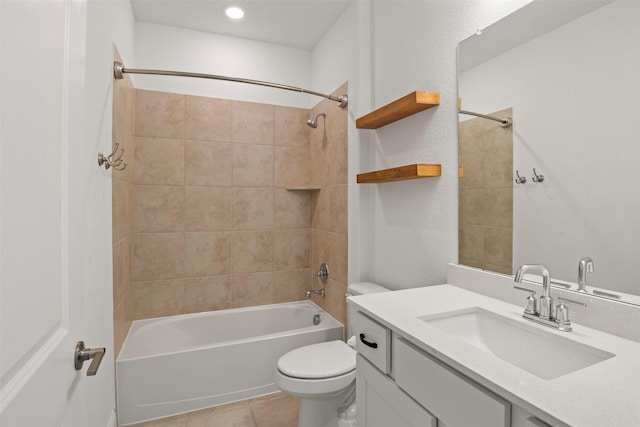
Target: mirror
(570, 73)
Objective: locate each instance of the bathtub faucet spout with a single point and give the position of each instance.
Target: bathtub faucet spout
(315, 292)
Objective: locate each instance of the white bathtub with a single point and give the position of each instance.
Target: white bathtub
(177, 364)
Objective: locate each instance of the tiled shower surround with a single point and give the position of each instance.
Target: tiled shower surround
(203, 218)
(213, 225)
(122, 193)
(485, 217)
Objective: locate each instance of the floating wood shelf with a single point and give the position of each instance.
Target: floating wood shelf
(399, 109)
(400, 173)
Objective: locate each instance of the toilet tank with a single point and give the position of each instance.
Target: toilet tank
(361, 288)
(364, 288)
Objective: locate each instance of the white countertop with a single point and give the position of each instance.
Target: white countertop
(604, 394)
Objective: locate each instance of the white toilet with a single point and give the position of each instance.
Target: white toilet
(323, 375)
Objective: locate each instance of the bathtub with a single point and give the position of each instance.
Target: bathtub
(171, 365)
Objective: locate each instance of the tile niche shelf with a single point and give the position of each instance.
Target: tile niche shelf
(399, 109)
(301, 188)
(400, 173)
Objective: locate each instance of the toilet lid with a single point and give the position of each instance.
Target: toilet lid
(322, 360)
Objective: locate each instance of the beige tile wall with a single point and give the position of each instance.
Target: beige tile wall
(485, 214)
(329, 241)
(122, 183)
(204, 221)
(213, 225)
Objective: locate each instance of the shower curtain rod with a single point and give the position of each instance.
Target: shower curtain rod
(119, 70)
(505, 123)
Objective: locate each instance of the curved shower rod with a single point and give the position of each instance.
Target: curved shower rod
(505, 123)
(119, 70)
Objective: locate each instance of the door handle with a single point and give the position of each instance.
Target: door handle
(82, 353)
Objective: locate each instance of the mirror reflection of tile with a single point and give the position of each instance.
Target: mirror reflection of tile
(485, 221)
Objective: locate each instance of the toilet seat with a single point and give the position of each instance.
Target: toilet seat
(318, 361)
(318, 369)
(314, 388)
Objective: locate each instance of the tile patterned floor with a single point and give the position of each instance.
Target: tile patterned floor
(273, 410)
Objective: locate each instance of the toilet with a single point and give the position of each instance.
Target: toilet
(323, 375)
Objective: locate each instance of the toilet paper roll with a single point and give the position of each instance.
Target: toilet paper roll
(351, 342)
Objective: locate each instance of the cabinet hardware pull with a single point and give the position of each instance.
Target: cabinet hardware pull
(367, 343)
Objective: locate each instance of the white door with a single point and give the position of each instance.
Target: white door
(45, 182)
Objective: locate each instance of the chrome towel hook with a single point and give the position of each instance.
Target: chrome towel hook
(112, 160)
(536, 177)
(520, 179)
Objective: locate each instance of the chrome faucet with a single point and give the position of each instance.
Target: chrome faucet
(541, 311)
(315, 292)
(585, 265)
(545, 303)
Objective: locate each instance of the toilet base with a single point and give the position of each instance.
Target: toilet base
(322, 411)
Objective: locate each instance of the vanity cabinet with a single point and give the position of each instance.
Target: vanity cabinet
(418, 390)
(456, 401)
(381, 403)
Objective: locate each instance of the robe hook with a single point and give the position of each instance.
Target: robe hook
(110, 162)
(536, 177)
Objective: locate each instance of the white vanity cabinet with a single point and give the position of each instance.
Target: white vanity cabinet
(455, 400)
(400, 385)
(381, 403)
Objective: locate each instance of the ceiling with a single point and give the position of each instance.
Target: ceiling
(294, 23)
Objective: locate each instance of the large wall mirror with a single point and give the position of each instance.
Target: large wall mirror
(569, 75)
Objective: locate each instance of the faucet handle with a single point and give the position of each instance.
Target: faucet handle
(562, 317)
(531, 301)
(520, 288)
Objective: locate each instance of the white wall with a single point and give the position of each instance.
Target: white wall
(412, 225)
(401, 234)
(108, 23)
(170, 48)
(334, 57)
(343, 55)
(574, 93)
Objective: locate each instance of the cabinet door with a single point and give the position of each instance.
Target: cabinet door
(522, 418)
(454, 399)
(381, 403)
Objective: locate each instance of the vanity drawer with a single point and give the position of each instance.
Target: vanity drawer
(454, 399)
(373, 341)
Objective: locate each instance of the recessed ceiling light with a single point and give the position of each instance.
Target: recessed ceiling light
(234, 12)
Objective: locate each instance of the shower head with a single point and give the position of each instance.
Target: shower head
(313, 123)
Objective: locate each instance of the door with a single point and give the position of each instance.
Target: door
(46, 262)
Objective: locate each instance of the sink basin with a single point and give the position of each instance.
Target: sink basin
(541, 353)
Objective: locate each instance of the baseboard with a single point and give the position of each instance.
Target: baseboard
(113, 419)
